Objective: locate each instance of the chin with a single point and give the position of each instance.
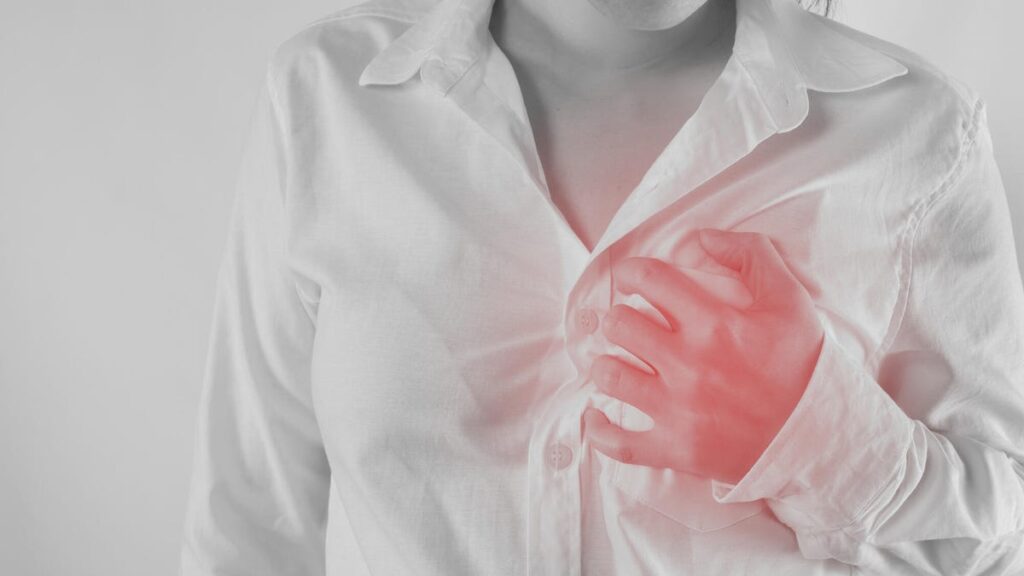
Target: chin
(647, 14)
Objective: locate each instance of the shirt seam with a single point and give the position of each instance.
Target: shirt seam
(355, 12)
(463, 74)
(435, 39)
(448, 24)
(278, 116)
(351, 12)
(922, 209)
(908, 236)
(494, 96)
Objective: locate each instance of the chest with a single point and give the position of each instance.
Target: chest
(444, 277)
(450, 310)
(595, 152)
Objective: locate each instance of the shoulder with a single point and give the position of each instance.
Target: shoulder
(925, 121)
(342, 42)
(927, 98)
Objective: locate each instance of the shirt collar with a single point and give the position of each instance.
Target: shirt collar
(454, 32)
(784, 49)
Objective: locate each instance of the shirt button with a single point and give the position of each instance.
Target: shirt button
(559, 456)
(435, 73)
(586, 319)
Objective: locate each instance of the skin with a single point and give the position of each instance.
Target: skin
(647, 14)
(725, 379)
(603, 100)
(601, 38)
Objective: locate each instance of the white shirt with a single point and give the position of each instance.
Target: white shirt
(404, 320)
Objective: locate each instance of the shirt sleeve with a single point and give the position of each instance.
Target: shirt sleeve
(918, 467)
(260, 482)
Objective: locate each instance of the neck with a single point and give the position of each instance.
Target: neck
(570, 35)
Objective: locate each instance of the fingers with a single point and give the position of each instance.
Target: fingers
(674, 294)
(629, 446)
(759, 264)
(627, 327)
(624, 382)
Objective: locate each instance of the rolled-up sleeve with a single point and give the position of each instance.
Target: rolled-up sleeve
(260, 481)
(917, 467)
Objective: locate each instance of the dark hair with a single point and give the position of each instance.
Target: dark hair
(824, 7)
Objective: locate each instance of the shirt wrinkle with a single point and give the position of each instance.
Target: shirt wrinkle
(405, 321)
(912, 225)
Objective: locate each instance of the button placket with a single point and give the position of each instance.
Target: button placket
(559, 456)
(557, 444)
(554, 493)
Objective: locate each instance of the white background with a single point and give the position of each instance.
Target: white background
(121, 126)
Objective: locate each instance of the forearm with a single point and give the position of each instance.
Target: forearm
(953, 506)
(860, 481)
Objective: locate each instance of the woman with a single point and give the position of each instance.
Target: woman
(610, 287)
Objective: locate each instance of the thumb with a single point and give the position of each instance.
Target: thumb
(759, 265)
(721, 246)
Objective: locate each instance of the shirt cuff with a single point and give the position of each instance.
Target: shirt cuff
(843, 444)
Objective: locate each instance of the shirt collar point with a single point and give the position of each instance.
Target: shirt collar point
(395, 64)
(432, 30)
(880, 73)
(790, 112)
(831, 57)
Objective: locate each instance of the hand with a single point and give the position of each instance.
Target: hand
(726, 378)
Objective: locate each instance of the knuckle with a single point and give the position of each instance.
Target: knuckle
(724, 337)
(600, 362)
(620, 319)
(623, 453)
(681, 454)
(634, 379)
(746, 237)
(691, 451)
(761, 242)
(628, 385)
(618, 312)
(647, 268)
(655, 399)
(766, 246)
(604, 364)
(610, 381)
